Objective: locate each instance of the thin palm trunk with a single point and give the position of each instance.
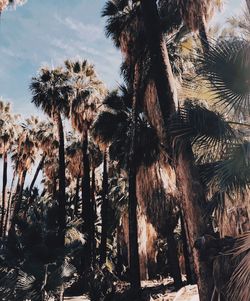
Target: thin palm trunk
(134, 263)
(31, 199)
(5, 165)
(6, 225)
(76, 198)
(93, 213)
(192, 191)
(187, 254)
(104, 211)
(86, 202)
(19, 192)
(62, 178)
(17, 202)
(39, 168)
(173, 258)
(203, 36)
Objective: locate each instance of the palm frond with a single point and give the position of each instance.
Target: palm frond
(233, 172)
(207, 130)
(238, 286)
(226, 67)
(216, 204)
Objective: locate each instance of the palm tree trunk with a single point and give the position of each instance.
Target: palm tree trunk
(31, 199)
(86, 201)
(187, 254)
(6, 225)
(19, 192)
(5, 165)
(104, 211)
(17, 202)
(193, 200)
(203, 36)
(62, 178)
(188, 180)
(173, 258)
(39, 168)
(93, 214)
(76, 199)
(134, 263)
(162, 72)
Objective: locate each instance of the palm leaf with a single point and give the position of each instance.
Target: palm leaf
(238, 286)
(226, 67)
(233, 172)
(207, 130)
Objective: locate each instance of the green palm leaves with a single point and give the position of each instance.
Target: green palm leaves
(205, 128)
(51, 91)
(226, 67)
(114, 125)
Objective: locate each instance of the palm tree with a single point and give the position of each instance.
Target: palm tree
(5, 3)
(193, 15)
(74, 166)
(88, 91)
(23, 155)
(104, 209)
(126, 28)
(7, 133)
(51, 92)
(113, 128)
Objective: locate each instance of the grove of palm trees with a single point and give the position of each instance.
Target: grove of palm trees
(140, 191)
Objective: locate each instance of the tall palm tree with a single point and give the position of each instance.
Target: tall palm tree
(188, 179)
(24, 156)
(51, 92)
(104, 211)
(113, 128)
(126, 28)
(7, 133)
(88, 91)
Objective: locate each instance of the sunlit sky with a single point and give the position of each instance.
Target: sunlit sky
(46, 32)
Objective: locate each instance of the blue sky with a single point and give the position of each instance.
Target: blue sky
(46, 32)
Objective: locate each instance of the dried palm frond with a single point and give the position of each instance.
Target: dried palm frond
(239, 283)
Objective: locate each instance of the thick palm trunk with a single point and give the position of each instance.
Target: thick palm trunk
(193, 200)
(162, 72)
(62, 179)
(190, 186)
(104, 211)
(134, 263)
(5, 165)
(86, 202)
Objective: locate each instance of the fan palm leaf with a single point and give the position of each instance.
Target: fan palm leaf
(233, 172)
(113, 127)
(238, 286)
(226, 67)
(207, 130)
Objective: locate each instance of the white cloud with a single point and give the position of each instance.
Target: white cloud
(90, 32)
